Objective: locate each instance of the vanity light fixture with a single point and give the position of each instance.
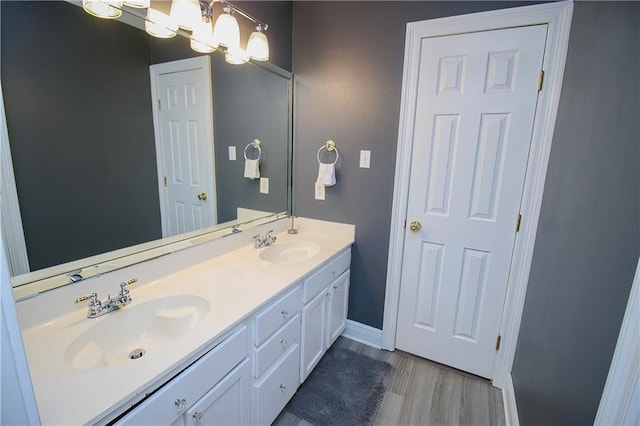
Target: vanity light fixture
(258, 46)
(194, 16)
(226, 31)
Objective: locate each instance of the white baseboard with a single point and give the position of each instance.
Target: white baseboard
(509, 400)
(363, 333)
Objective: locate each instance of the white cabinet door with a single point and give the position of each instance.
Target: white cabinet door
(227, 403)
(338, 305)
(314, 323)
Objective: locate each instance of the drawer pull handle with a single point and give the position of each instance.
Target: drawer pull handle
(283, 388)
(327, 294)
(284, 342)
(335, 287)
(198, 417)
(180, 404)
(285, 313)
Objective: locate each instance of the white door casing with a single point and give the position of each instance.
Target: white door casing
(183, 116)
(557, 16)
(475, 108)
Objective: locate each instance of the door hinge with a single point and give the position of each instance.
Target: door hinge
(165, 181)
(518, 220)
(404, 226)
(540, 80)
(498, 339)
(159, 104)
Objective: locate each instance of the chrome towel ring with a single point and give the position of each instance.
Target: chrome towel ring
(255, 145)
(329, 146)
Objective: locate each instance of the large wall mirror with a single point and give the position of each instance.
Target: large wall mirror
(77, 94)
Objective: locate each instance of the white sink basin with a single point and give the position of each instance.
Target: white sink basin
(127, 334)
(289, 252)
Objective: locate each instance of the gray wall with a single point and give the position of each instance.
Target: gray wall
(588, 239)
(348, 57)
(347, 60)
(64, 75)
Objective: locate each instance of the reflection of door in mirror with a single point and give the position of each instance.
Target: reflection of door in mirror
(184, 144)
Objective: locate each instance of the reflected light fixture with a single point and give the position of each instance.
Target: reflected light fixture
(258, 46)
(202, 38)
(107, 9)
(236, 56)
(226, 31)
(186, 13)
(160, 24)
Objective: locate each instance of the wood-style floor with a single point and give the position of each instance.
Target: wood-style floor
(422, 392)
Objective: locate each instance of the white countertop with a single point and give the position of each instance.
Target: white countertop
(235, 285)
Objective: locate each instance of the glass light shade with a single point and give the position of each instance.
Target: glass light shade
(202, 38)
(258, 46)
(107, 9)
(236, 56)
(186, 13)
(141, 4)
(226, 31)
(160, 24)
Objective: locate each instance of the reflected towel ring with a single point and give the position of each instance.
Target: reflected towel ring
(329, 146)
(255, 145)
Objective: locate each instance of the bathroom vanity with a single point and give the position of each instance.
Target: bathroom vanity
(220, 333)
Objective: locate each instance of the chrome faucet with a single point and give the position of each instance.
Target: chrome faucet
(264, 241)
(97, 308)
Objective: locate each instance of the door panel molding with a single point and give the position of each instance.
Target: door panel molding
(558, 18)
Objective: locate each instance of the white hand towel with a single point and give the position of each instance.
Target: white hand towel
(326, 174)
(252, 168)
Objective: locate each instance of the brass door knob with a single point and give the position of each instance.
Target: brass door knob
(202, 197)
(415, 226)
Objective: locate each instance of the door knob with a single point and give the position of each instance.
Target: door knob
(202, 197)
(415, 226)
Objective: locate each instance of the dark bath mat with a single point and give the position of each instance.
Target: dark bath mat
(345, 388)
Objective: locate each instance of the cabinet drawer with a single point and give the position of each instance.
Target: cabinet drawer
(276, 346)
(318, 281)
(170, 402)
(276, 315)
(272, 394)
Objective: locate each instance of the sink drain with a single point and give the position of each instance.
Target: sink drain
(136, 353)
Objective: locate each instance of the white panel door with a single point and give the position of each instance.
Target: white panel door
(187, 150)
(474, 114)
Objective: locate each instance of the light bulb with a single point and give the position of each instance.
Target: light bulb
(202, 38)
(258, 45)
(186, 13)
(107, 9)
(159, 24)
(226, 31)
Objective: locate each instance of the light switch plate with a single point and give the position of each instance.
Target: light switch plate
(365, 159)
(232, 153)
(319, 191)
(264, 185)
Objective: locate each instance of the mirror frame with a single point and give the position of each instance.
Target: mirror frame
(33, 283)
